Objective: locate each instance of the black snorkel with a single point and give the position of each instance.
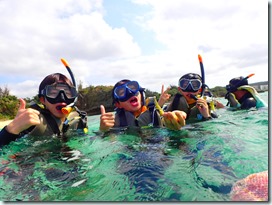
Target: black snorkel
(69, 70)
(202, 75)
(238, 84)
(202, 78)
(68, 108)
(71, 106)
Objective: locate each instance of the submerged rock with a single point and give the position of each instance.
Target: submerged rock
(252, 188)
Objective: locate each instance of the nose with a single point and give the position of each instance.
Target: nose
(190, 88)
(62, 97)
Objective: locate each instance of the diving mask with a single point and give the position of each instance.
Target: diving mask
(229, 88)
(191, 85)
(59, 93)
(237, 82)
(124, 92)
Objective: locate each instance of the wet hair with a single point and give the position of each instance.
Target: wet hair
(239, 81)
(191, 76)
(54, 78)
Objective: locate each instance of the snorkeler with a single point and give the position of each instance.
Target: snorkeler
(190, 86)
(132, 109)
(56, 91)
(242, 96)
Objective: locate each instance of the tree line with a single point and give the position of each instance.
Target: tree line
(89, 99)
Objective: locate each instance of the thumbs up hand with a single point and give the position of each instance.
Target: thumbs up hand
(24, 119)
(106, 119)
(174, 120)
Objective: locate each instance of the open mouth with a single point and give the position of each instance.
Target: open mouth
(60, 106)
(133, 101)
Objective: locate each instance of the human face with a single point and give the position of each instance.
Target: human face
(133, 104)
(240, 93)
(187, 95)
(54, 109)
(125, 91)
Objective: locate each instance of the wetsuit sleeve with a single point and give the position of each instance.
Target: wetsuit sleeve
(214, 115)
(6, 137)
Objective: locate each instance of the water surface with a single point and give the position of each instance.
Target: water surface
(201, 162)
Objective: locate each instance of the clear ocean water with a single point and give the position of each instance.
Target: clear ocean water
(201, 162)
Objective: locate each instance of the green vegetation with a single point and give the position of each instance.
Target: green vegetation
(89, 99)
(218, 91)
(92, 97)
(8, 104)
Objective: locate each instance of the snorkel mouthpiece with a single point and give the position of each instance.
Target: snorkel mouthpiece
(66, 110)
(193, 97)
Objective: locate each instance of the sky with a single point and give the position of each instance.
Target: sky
(154, 42)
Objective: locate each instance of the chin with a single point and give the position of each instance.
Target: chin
(60, 115)
(134, 109)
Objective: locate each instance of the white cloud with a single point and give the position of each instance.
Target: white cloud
(23, 88)
(231, 36)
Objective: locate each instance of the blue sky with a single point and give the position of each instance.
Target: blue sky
(152, 41)
(122, 13)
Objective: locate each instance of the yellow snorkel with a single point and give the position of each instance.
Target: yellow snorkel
(158, 107)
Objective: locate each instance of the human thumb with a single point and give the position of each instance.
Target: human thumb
(22, 104)
(102, 109)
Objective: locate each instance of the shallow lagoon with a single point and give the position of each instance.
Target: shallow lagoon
(198, 163)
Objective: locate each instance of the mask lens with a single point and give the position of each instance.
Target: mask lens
(196, 84)
(183, 83)
(126, 91)
(52, 91)
(133, 86)
(59, 93)
(120, 91)
(71, 93)
(190, 85)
